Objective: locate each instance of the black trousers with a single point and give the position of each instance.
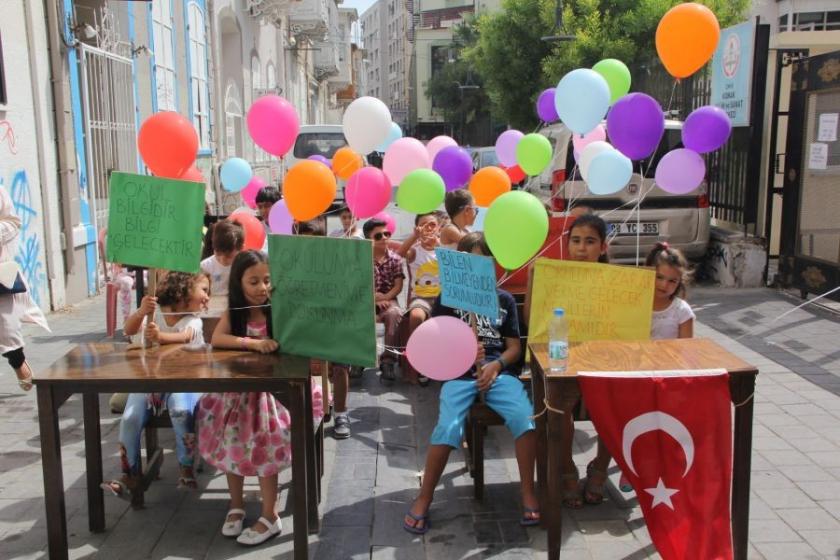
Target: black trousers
(15, 357)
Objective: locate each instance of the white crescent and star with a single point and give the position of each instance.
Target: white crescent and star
(649, 422)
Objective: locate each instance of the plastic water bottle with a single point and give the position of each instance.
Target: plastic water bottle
(558, 342)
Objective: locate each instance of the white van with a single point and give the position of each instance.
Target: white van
(681, 220)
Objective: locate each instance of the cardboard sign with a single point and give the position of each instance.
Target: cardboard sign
(601, 301)
(322, 301)
(155, 222)
(468, 282)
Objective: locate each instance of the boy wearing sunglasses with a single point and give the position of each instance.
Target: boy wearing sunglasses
(388, 278)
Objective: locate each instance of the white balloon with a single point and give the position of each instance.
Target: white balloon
(366, 124)
(588, 154)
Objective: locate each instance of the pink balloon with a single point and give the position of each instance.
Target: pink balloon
(506, 147)
(442, 348)
(438, 143)
(368, 192)
(273, 124)
(390, 223)
(280, 221)
(597, 134)
(404, 156)
(249, 193)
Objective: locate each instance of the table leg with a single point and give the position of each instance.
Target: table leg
(93, 462)
(300, 491)
(555, 443)
(743, 387)
(538, 391)
(312, 480)
(53, 476)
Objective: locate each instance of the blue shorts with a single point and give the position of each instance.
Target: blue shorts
(507, 397)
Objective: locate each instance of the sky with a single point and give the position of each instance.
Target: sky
(360, 5)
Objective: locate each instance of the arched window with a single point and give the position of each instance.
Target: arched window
(198, 74)
(233, 120)
(256, 76)
(270, 77)
(163, 45)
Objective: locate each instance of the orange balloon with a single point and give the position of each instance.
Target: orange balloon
(489, 183)
(345, 162)
(254, 230)
(309, 189)
(168, 144)
(686, 38)
(192, 174)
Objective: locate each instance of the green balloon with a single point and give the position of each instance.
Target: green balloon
(617, 75)
(421, 191)
(533, 153)
(515, 227)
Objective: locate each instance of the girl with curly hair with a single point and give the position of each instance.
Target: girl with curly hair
(180, 297)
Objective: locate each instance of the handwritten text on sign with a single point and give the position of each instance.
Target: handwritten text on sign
(602, 302)
(468, 282)
(322, 302)
(155, 222)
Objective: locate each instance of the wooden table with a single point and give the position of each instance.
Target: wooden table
(562, 391)
(92, 369)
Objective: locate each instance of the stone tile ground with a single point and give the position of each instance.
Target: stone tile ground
(372, 477)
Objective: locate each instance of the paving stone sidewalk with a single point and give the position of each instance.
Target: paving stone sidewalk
(373, 476)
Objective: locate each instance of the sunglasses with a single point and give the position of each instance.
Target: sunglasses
(382, 235)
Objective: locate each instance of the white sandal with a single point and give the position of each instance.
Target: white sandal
(250, 537)
(233, 528)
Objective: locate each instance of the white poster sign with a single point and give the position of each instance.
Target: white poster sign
(818, 156)
(827, 131)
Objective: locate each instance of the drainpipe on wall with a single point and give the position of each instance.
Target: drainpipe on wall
(39, 133)
(219, 100)
(64, 150)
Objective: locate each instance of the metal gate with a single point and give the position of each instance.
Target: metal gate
(810, 236)
(109, 122)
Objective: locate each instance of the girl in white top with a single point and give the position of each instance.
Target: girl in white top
(462, 211)
(672, 316)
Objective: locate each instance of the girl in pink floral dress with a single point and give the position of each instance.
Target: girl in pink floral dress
(247, 434)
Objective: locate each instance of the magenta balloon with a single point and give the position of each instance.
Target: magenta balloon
(273, 124)
(546, 110)
(635, 125)
(706, 129)
(442, 348)
(390, 223)
(680, 171)
(506, 147)
(368, 192)
(280, 221)
(249, 193)
(454, 165)
(322, 159)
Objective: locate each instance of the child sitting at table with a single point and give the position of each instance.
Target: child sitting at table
(248, 434)
(495, 375)
(180, 296)
(228, 240)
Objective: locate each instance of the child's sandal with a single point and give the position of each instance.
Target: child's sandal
(122, 488)
(187, 479)
(593, 490)
(572, 496)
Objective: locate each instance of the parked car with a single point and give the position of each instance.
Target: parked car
(483, 157)
(682, 221)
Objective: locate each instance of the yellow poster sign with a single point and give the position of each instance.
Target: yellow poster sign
(601, 301)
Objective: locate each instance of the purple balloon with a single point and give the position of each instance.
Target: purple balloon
(635, 125)
(279, 219)
(319, 157)
(454, 165)
(680, 171)
(506, 147)
(546, 110)
(706, 129)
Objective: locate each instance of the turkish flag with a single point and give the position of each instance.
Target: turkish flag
(671, 434)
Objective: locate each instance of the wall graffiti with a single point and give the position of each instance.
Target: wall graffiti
(29, 244)
(7, 136)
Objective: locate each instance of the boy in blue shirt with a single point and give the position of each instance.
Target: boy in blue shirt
(499, 350)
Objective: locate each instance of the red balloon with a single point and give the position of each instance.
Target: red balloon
(254, 230)
(516, 174)
(168, 144)
(193, 174)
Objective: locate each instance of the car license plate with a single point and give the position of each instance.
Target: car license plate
(629, 228)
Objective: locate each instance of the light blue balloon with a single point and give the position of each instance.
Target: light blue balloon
(236, 173)
(393, 135)
(609, 172)
(582, 98)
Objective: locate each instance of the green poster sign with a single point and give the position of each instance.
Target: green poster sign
(155, 222)
(322, 300)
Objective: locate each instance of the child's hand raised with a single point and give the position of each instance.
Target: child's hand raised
(266, 346)
(152, 332)
(148, 305)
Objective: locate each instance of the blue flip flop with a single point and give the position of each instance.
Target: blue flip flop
(417, 519)
(526, 521)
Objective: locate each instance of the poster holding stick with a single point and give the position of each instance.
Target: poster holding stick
(152, 292)
(468, 282)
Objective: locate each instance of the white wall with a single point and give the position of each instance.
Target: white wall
(26, 134)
